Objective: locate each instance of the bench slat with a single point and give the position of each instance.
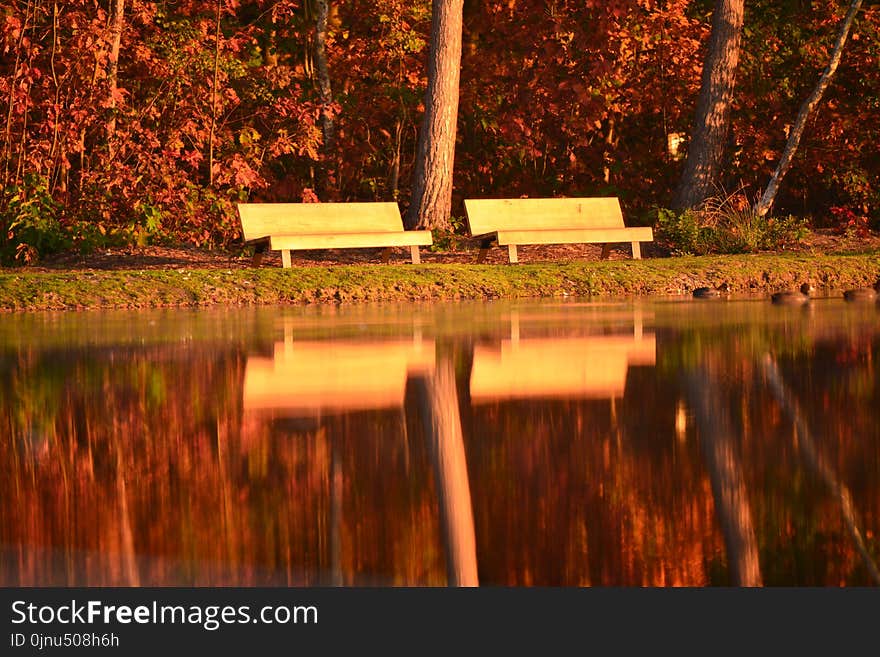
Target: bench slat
(576, 235)
(351, 240)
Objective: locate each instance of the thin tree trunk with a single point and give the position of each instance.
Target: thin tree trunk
(728, 485)
(83, 145)
(706, 151)
(431, 204)
(794, 137)
(57, 128)
(309, 12)
(7, 141)
(214, 85)
(438, 401)
(402, 120)
(22, 153)
(394, 183)
(322, 14)
(321, 17)
(113, 71)
(610, 141)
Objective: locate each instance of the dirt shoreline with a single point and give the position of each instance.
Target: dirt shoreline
(818, 242)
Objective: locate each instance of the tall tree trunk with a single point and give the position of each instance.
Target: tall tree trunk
(431, 203)
(794, 137)
(113, 70)
(438, 401)
(709, 136)
(322, 13)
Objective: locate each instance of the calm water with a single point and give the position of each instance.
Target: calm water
(659, 443)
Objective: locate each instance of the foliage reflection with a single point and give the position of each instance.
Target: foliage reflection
(573, 444)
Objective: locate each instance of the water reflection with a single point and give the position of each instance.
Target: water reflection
(729, 490)
(820, 468)
(311, 378)
(563, 367)
(671, 443)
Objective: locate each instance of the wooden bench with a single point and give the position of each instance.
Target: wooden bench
(296, 226)
(551, 221)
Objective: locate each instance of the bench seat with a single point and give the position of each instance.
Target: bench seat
(574, 235)
(288, 227)
(350, 240)
(512, 222)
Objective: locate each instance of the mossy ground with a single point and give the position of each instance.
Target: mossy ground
(122, 288)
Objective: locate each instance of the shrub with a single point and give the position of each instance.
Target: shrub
(30, 217)
(443, 240)
(683, 232)
(849, 223)
(727, 224)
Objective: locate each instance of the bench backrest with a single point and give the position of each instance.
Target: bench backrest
(263, 219)
(489, 215)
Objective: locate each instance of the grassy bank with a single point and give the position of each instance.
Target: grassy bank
(23, 290)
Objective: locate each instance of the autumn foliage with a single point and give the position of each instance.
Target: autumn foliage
(557, 98)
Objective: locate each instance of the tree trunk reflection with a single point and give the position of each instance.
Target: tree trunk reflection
(336, 482)
(806, 447)
(438, 402)
(728, 484)
(129, 556)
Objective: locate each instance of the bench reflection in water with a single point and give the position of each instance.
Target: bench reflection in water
(589, 367)
(311, 378)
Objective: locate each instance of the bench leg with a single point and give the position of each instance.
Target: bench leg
(606, 251)
(511, 254)
(285, 258)
(485, 245)
(414, 252)
(260, 248)
(637, 251)
(386, 255)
